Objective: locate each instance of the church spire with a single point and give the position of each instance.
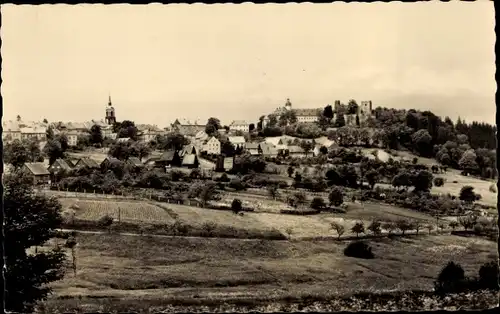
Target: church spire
(109, 100)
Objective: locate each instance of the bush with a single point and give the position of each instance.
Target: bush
(236, 206)
(359, 249)
(336, 196)
(488, 276)
(450, 279)
(237, 184)
(318, 203)
(493, 188)
(438, 181)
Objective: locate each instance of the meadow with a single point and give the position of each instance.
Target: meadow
(115, 269)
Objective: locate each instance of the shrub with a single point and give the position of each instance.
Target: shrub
(336, 196)
(237, 184)
(318, 203)
(488, 276)
(359, 249)
(375, 227)
(493, 188)
(358, 228)
(224, 178)
(236, 206)
(438, 181)
(450, 279)
(106, 221)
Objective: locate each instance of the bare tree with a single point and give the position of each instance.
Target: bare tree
(339, 228)
(71, 244)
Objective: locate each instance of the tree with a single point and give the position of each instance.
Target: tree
(402, 179)
(16, 154)
(403, 225)
(352, 107)
(128, 129)
(236, 206)
(272, 190)
(357, 121)
(375, 227)
(328, 113)
(438, 181)
(389, 226)
(307, 146)
(453, 224)
(45, 121)
(251, 127)
(358, 228)
(339, 228)
(336, 196)
(212, 126)
(290, 171)
(54, 150)
(468, 162)
(318, 203)
(417, 225)
(423, 142)
(422, 181)
(140, 150)
(340, 120)
(372, 178)
(96, 134)
(30, 220)
(467, 194)
(299, 198)
(428, 227)
(207, 193)
(323, 150)
(488, 275)
(49, 133)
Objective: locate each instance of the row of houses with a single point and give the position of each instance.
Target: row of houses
(193, 127)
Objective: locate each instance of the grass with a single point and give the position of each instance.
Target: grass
(224, 269)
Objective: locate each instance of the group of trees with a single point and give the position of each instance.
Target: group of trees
(452, 278)
(19, 152)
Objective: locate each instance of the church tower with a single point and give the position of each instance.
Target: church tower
(110, 113)
(288, 104)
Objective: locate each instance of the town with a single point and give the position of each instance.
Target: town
(348, 173)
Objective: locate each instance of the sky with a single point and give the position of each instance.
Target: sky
(162, 62)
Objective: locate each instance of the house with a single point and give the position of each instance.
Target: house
(36, 133)
(253, 148)
(148, 133)
(38, 172)
(11, 131)
(186, 127)
(169, 158)
(237, 141)
(72, 137)
(240, 125)
(224, 163)
(87, 162)
(268, 150)
(212, 146)
(201, 136)
(278, 142)
(107, 161)
(135, 162)
(190, 161)
(60, 165)
(307, 115)
(295, 151)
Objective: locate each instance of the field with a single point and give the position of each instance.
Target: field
(129, 211)
(294, 226)
(147, 270)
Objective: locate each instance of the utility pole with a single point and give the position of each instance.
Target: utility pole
(119, 214)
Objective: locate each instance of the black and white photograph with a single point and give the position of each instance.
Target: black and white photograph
(236, 158)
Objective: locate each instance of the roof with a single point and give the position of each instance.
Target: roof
(252, 145)
(236, 139)
(239, 122)
(37, 168)
(189, 159)
(62, 163)
(111, 159)
(166, 156)
(307, 112)
(10, 126)
(135, 161)
(324, 141)
(295, 149)
(189, 122)
(268, 149)
(33, 130)
(123, 139)
(88, 162)
(202, 135)
(188, 149)
(274, 140)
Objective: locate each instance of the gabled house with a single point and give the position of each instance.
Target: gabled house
(38, 172)
(296, 151)
(135, 162)
(169, 158)
(107, 161)
(87, 162)
(224, 163)
(253, 148)
(240, 125)
(186, 127)
(190, 161)
(268, 150)
(59, 165)
(212, 146)
(237, 141)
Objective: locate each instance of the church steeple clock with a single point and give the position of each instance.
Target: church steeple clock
(110, 113)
